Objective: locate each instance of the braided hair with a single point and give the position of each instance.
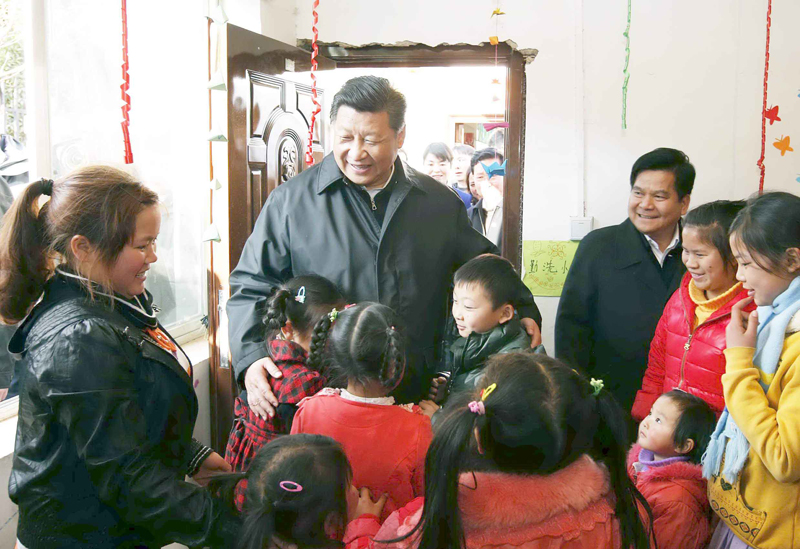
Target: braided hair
(540, 417)
(305, 301)
(365, 344)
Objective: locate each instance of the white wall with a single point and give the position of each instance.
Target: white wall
(696, 84)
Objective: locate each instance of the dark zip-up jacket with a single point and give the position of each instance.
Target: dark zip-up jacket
(469, 353)
(104, 437)
(319, 223)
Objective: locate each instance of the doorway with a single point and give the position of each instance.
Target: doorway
(268, 114)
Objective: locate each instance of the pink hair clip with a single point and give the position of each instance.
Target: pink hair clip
(477, 407)
(290, 486)
(349, 305)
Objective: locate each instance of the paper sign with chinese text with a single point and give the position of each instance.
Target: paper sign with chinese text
(545, 264)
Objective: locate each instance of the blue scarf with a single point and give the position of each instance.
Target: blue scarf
(728, 440)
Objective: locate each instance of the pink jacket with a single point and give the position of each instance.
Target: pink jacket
(570, 509)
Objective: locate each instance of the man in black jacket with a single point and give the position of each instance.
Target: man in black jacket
(375, 227)
(622, 276)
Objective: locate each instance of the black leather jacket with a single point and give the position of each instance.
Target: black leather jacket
(104, 437)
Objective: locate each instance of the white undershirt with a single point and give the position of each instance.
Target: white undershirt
(382, 401)
(374, 191)
(657, 250)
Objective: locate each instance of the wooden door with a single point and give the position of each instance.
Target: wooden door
(268, 121)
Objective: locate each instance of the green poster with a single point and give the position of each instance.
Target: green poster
(546, 263)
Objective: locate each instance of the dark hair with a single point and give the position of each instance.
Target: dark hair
(371, 94)
(714, 221)
(308, 316)
(439, 150)
(460, 148)
(541, 417)
(484, 154)
(494, 274)
(767, 227)
(316, 463)
(697, 422)
(365, 344)
(667, 160)
(98, 202)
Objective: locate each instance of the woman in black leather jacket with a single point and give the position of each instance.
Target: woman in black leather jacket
(107, 405)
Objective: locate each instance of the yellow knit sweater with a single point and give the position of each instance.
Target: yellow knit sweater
(706, 307)
(763, 506)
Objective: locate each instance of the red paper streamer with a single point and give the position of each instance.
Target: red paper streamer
(317, 106)
(126, 119)
(764, 106)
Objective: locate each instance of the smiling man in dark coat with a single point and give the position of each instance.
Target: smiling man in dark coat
(622, 276)
(375, 227)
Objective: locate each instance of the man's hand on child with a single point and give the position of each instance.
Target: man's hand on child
(359, 502)
(260, 397)
(213, 465)
(533, 330)
(436, 393)
(428, 407)
(741, 330)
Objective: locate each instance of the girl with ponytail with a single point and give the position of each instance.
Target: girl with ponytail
(299, 494)
(385, 443)
(534, 458)
(107, 406)
(296, 313)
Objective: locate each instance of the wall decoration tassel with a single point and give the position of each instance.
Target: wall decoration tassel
(126, 84)
(760, 162)
(627, 35)
(317, 106)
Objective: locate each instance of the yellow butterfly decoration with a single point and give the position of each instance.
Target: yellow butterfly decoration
(783, 145)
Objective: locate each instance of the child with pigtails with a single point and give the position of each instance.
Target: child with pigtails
(298, 309)
(385, 443)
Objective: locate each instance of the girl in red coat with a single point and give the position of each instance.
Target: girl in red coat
(687, 350)
(385, 443)
(296, 309)
(665, 465)
(534, 459)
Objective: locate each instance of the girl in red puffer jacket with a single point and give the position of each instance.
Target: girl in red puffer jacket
(687, 350)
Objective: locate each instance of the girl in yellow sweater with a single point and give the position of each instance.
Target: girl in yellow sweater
(753, 459)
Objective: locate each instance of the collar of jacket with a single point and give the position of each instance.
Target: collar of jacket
(64, 287)
(689, 306)
(476, 348)
(681, 470)
(287, 352)
(502, 502)
(329, 173)
(632, 247)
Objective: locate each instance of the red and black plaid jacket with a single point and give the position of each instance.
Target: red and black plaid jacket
(250, 432)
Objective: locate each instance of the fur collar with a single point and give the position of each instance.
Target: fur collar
(682, 470)
(510, 502)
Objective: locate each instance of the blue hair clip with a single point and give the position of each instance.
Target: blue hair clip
(495, 169)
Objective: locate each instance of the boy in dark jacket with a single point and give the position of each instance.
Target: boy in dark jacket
(487, 323)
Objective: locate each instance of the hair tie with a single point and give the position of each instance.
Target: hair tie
(301, 295)
(597, 386)
(47, 187)
(290, 486)
(333, 315)
(477, 407)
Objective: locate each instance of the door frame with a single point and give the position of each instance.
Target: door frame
(420, 55)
